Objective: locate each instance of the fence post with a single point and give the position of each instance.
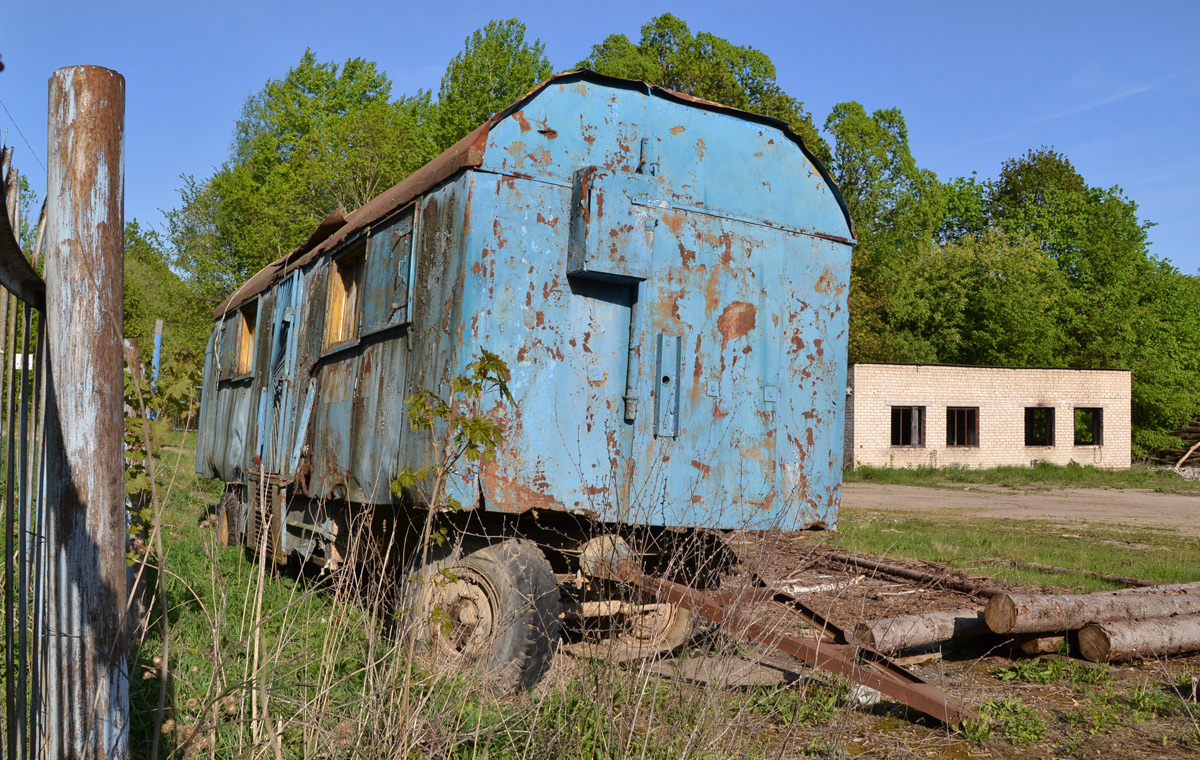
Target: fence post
(86, 698)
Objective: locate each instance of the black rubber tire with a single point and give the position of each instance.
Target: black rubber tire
(510, 585)
(230, 513)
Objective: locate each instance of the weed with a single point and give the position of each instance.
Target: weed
(1046, 670)
(1019, 722)
(812, 704)
(1145, 702)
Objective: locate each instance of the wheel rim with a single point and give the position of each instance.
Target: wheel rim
(222, 528)
(461, 613)
(652, 628)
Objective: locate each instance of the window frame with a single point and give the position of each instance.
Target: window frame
(247, 339)
(390, 269)
(970, 413)
(348, 325)
(916, 427)
(1097, 426)
(1030, 413)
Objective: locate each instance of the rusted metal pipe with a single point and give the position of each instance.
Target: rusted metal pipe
(86, 697)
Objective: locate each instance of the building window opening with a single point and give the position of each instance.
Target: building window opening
(1089, 426)
(908, 426)
(1039, 426)
(341, 321)
(249, 320)
(962, 426)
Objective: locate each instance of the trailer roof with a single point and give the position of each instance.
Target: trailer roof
(468, 153)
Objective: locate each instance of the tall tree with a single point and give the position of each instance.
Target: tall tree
(321, 138)
(706, 66)
(496, 67)
(897, 208)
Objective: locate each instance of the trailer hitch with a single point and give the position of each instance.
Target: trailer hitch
(829, 649)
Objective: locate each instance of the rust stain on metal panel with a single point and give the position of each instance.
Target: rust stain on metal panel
(519, 117)
(737, 320)
(510, 496)
(826, 283)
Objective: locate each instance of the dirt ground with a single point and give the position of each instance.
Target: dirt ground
(1081, 719)
(1140, 508)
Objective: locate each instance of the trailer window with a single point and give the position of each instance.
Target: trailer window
(345, 280)
(1089, 426)
(908, 426)
(1039, 426)
(248, 320)
(962, 426)
(385, 282)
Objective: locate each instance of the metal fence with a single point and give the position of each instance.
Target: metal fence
(65, 671)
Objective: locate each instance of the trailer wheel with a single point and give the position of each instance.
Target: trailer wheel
(657, 630)
(494, 609)
(229, 516)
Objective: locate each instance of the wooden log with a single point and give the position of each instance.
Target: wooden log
(1140, 639)
(1040, 613)
(946, 581)
(892, 634)
(1038, 644)
(1183, 458)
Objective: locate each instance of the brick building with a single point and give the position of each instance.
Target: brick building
(902, 415)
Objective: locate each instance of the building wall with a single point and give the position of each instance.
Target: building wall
(1001, 395)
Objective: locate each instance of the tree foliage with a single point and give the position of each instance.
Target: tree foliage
(153, 291)
(496, 67)
(321, 138)
(706, 66)
(896, 208)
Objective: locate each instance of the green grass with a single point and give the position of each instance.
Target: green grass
(962, 542)
(335, 679)
(1043, 475)
(335, 682)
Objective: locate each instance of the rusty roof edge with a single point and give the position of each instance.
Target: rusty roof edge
(468, 152)
(465, 153)
(265, 277)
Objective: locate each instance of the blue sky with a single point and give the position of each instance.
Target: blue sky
(1116, 87)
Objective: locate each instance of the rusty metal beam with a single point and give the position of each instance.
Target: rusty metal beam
(86, 698)
(829, 652)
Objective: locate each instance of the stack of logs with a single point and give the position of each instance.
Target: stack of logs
(1107, 626)
(1189, 455)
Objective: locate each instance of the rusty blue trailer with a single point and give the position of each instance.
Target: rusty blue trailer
(666, 278)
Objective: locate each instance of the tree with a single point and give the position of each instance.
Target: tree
(153, 291)
(989, 300)
(496, 67)
(1116, 305)
(897, 209)
(324, 137)
(706, 66)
